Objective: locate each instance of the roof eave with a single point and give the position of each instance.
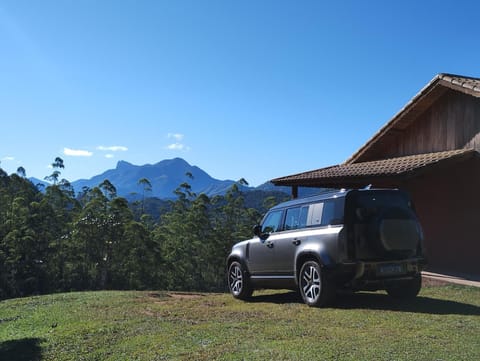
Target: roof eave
(429, 93)
(360, 181)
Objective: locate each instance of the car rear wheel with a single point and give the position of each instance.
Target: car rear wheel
(238, 282)
(315, 288)
(405, 289)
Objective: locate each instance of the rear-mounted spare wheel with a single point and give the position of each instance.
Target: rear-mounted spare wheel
(396, 231)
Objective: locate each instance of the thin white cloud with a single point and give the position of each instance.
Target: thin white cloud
(113, 148)
(177, 136)
(109, 155)
(176, 146)
(77, 152)
(7, 159)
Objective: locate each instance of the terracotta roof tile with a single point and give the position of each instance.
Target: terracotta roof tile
(463, 81)
(381, 168)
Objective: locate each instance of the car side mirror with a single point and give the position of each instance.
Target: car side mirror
(257, 230)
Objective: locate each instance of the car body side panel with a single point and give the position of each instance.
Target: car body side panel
(278, 254)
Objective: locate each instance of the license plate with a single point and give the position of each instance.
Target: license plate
(391, 269)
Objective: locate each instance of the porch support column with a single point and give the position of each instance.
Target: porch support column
(294, 192)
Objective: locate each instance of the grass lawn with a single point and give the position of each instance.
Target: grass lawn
(443, 323)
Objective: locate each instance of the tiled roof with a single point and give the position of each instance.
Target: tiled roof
(416, 106)
(387, 168)
(462, 81)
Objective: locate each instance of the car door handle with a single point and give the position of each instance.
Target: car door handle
(296, 242)
(269, 244)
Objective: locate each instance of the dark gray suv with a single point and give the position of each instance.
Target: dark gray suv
(356, 240)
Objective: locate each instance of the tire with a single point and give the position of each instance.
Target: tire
(404, 290)
(238, 281)
(316, 290)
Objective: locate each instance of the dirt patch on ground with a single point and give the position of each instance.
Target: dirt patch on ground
(184, 295)
(162, 297)
(156, 295)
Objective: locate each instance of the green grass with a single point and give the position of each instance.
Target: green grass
(443, 323)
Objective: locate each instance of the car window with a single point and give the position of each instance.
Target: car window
(296, 218)
(302, 222)
(379, 200)
(368, 204)
(291, 218)
(325, 213)
(272, 222)
(328, 213)
(315, 214)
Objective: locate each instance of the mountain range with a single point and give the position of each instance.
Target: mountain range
(165, 176)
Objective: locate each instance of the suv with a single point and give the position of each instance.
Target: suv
(357, 240)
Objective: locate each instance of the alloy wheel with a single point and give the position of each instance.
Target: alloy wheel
(311, 283)
(235, 279)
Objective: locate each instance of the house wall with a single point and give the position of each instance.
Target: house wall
(448, 205)
(452, 122)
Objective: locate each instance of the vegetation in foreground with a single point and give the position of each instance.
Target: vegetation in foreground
(443, 323)
(56, 241)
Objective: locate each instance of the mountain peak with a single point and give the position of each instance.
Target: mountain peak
(121, 164)
(174, 161)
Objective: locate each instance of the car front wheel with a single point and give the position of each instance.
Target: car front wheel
(238, 282)
(315, 288)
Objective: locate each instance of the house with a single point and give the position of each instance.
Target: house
(430, 149)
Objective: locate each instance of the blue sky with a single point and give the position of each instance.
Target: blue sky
(254, 89)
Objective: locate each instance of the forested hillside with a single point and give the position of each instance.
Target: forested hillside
(54, 240)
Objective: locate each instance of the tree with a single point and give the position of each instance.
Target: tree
(59, 197)
(196, 236)
(53, 241)
(56, 165)
(147, 187)
(108, 189)
(23, 246)
(21, 172)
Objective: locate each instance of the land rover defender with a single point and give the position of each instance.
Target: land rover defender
(350, 239)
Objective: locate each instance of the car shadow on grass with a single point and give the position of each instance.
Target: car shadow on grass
(380, 301)
(277, 298)
(25, 349)
(420, 304)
